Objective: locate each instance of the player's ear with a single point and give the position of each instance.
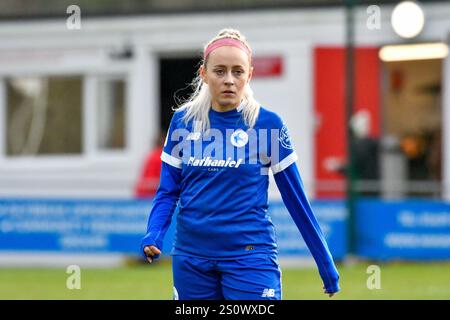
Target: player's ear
(250, 74)
(202, 73)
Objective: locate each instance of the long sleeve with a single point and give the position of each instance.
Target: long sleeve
(292, 192)
(164, 205)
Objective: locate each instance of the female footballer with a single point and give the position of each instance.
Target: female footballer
(215, 161)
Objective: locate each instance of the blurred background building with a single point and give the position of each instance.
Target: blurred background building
(86, 89)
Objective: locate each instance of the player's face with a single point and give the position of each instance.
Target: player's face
(227, 72)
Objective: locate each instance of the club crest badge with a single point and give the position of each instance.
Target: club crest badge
(285, 138)
(239, 138)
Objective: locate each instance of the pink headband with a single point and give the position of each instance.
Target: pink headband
(227, 42)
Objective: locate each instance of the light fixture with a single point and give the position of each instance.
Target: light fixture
(419, 51)
(407, 19)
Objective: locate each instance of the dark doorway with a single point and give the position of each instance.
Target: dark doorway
(413, 115)
(175, 76)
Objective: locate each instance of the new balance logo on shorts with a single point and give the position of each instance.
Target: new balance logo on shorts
(268, 293)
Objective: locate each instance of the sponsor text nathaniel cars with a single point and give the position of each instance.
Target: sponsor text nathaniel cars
(187, 310)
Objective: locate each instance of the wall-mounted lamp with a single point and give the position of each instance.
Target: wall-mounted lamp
(407, 19)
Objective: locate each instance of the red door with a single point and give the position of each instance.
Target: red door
(329, 100)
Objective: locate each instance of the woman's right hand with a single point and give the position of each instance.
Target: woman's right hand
(150, 251)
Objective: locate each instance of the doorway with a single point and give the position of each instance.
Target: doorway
(412, 118)
(175, 76)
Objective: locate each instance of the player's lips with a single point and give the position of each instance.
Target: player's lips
(228, 92)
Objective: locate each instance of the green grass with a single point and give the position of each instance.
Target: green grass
(398, 281)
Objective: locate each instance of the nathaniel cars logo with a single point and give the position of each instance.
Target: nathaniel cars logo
(208, 162)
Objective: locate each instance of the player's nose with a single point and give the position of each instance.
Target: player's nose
(229, 78)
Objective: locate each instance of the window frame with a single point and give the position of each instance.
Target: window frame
(89, 151)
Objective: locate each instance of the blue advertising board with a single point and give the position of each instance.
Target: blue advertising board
(412, 229)
(117, 226)
(75, 226)
(332, 218)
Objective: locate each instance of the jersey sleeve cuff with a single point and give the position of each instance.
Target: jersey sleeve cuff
(283, 164)
(174, 162)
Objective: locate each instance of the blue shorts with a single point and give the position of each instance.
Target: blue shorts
(253, 277)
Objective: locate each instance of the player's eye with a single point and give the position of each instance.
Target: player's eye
(219, 72)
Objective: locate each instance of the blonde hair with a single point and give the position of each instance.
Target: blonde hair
(197, 106)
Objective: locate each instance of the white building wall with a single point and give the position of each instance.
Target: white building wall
(291, 34)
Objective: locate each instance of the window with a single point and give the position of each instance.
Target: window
(43, 115)
(111, 114)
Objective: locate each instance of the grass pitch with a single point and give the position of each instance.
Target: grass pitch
(398, 281)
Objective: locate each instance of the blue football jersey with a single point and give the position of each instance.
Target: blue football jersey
(224, 182)
(219, 180)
